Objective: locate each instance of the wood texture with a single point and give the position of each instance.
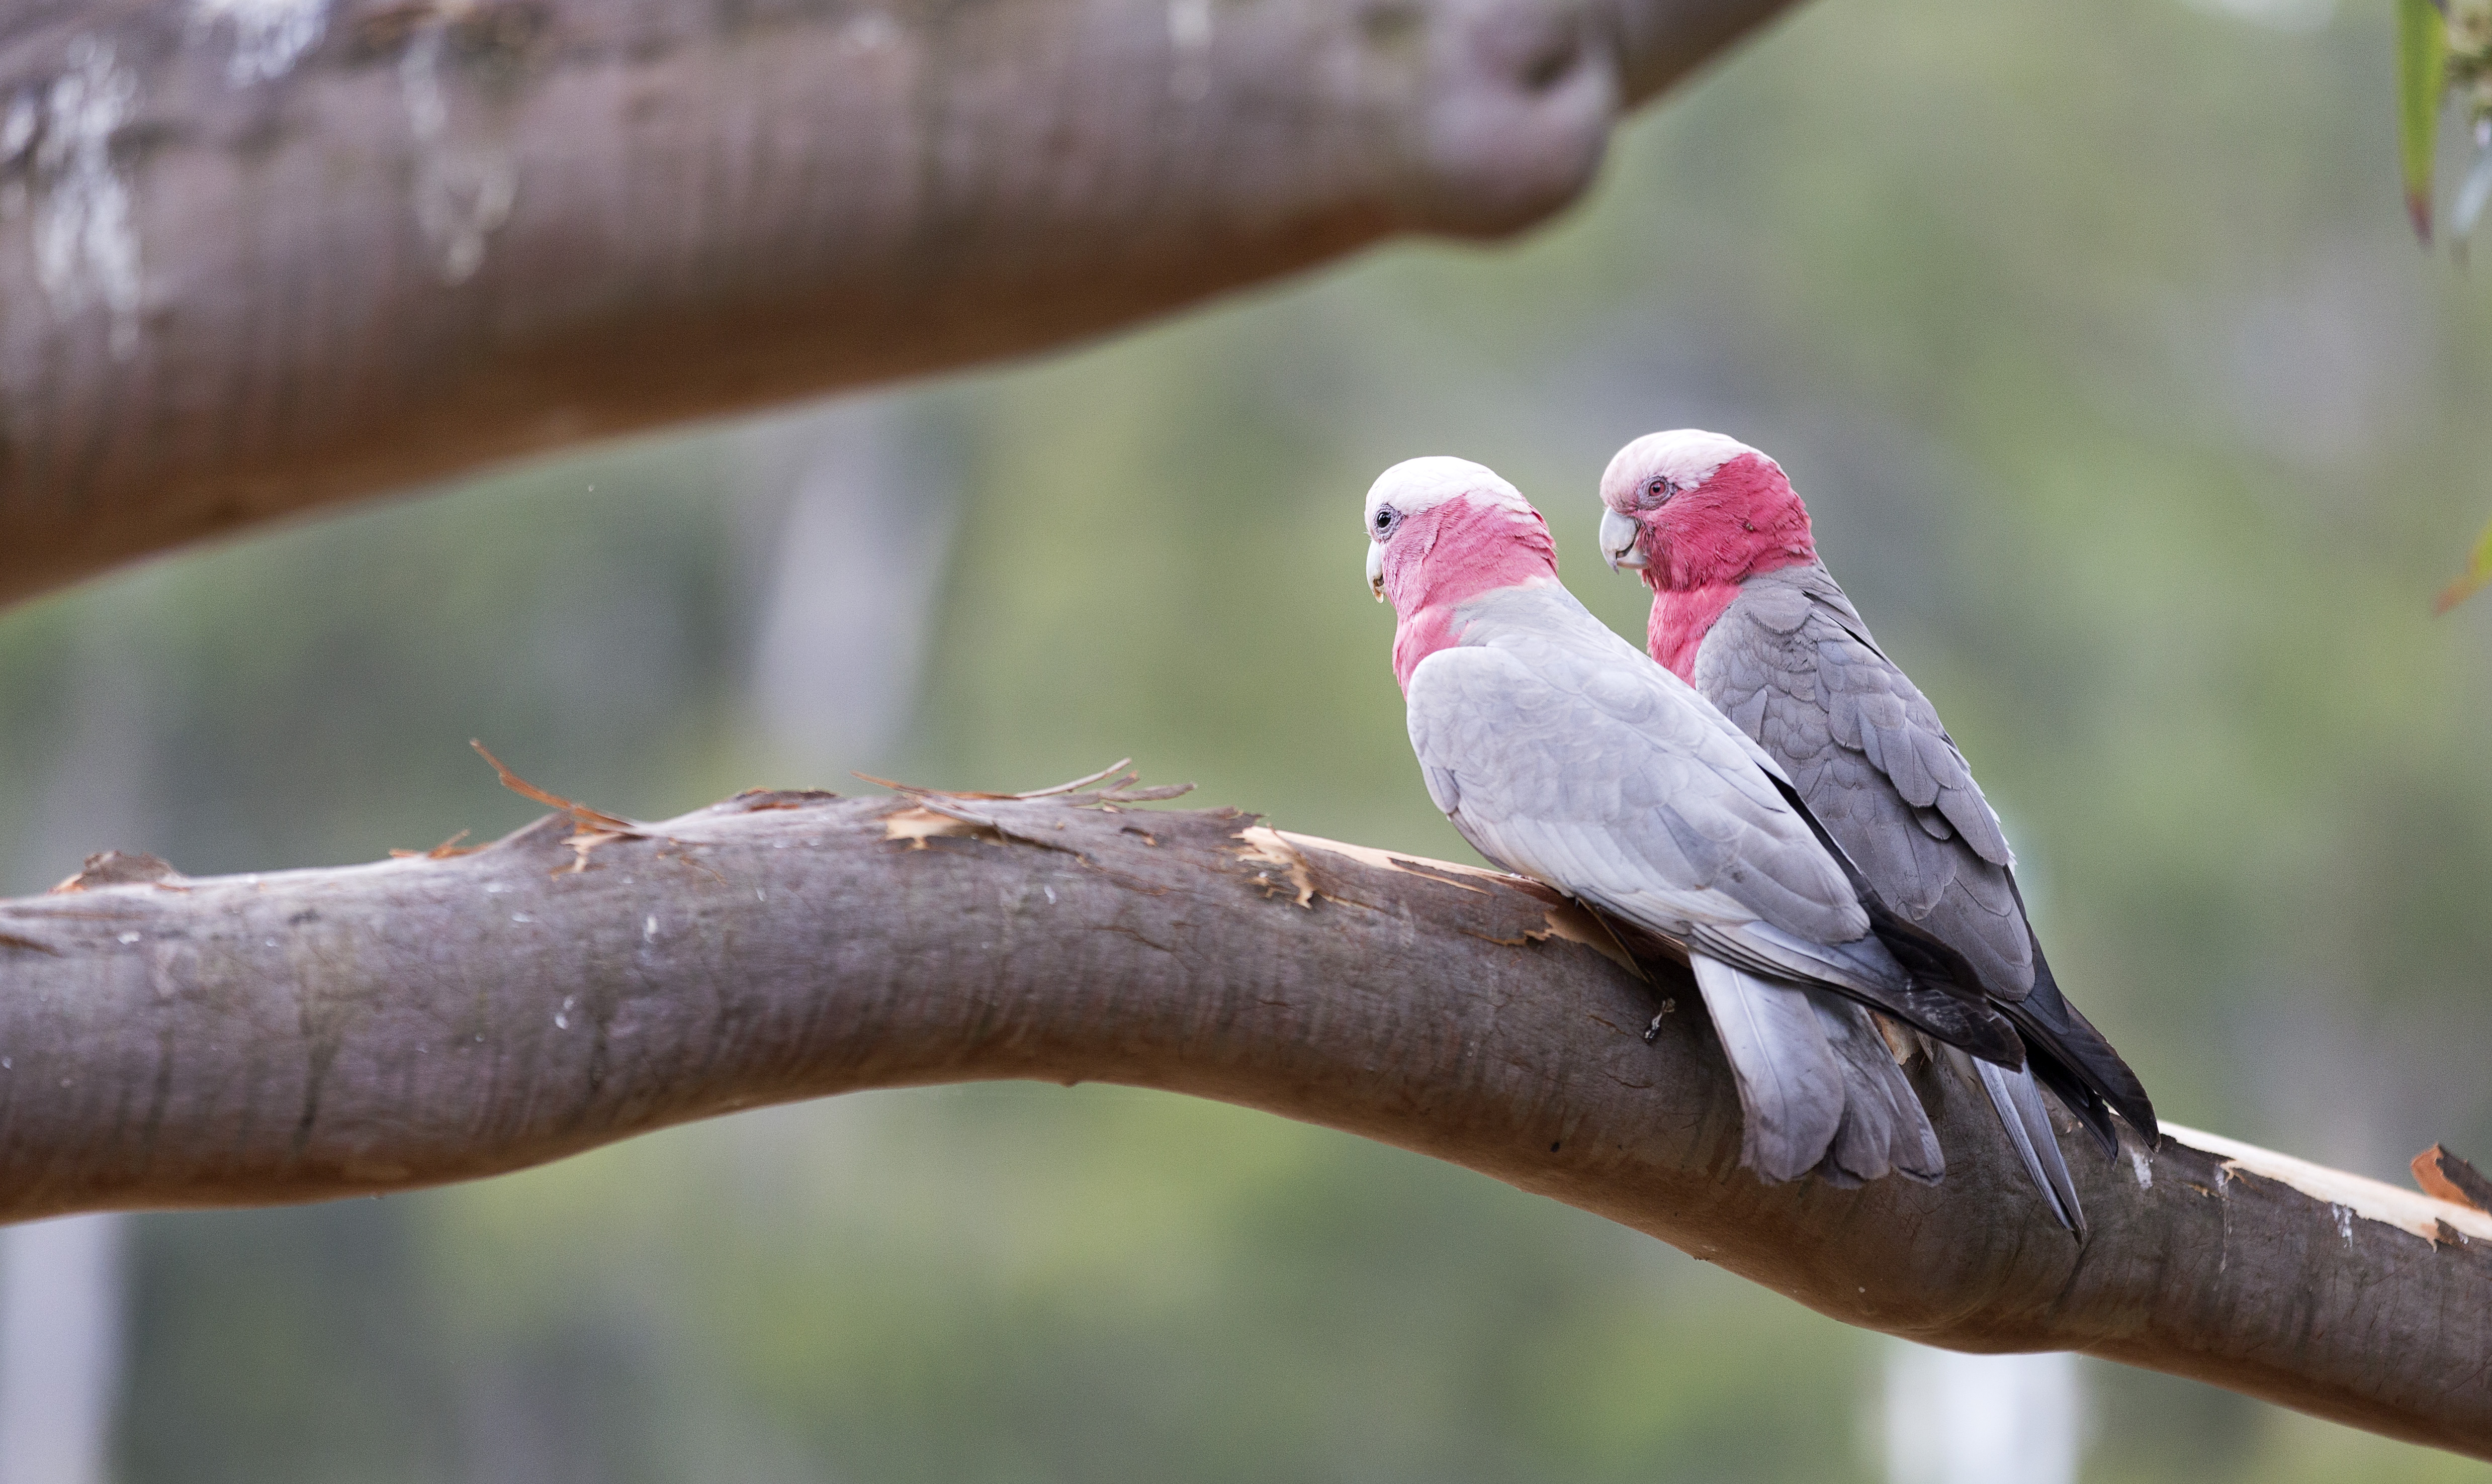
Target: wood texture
(307, 1035)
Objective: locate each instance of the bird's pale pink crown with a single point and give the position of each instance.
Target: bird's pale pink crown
(1709, 513)
(1442, 532)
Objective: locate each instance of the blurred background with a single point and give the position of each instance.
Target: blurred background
(2129, 412)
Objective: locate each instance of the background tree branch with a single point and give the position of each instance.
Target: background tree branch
(305, 1035)
(263, 259)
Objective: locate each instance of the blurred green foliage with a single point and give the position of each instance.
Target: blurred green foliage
(2127, 413)
(2478, 574)
(2423, 86)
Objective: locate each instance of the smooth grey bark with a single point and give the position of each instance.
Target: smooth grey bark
(305, 1035)
(260, 257)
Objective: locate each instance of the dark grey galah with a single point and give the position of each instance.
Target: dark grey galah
(1743, 610)
(1564, 752)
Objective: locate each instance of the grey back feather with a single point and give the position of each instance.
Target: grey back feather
(1792, 662)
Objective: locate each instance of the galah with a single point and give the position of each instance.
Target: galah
(1564, 752)
(1743, 611)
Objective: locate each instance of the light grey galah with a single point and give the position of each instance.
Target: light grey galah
(1562, 752)
(1743, 610)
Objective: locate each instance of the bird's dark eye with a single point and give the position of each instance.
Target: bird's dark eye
(1658, 491)
(1385, 516)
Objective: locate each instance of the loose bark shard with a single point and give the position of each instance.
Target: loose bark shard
(917, 824)
(2444, 1175)
(1267, 847)
(442, 852)
(580, 813)
(753, 799)
(1571, 922)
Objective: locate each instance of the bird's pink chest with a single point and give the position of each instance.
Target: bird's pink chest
(1680, 619)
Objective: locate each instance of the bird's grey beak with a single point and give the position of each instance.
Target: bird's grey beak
(1375, 568)
(1618, 536)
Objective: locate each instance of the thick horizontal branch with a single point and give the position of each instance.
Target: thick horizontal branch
(259, 259)
(175, 1042)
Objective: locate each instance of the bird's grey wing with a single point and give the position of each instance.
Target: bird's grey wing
(1631, 796)
(1791, 664)
(1629, 799)
(1867, 971)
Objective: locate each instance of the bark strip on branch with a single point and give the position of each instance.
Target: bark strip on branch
(166, 1041)
(260, 258)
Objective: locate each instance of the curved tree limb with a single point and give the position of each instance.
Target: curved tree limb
(260, 258)
(299, 1036)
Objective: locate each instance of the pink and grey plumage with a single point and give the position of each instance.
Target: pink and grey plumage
(1564, 752)
(1745, 613)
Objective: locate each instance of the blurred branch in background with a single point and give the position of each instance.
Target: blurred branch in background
(856, 555)
(316, 1034)
(60, 1349)
(1952, 1419)
(395, 242)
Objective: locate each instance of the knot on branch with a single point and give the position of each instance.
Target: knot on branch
(119, 868)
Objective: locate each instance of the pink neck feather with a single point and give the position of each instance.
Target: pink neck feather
(1742, 523)
(1680, 622)
(1449, 555)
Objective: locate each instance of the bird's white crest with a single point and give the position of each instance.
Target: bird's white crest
(1686, 457)
(1415, 485)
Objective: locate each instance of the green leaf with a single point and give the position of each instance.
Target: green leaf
(2479, 573)
(2423, 78)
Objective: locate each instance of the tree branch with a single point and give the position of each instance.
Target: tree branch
(306, 252)
(300, 1036)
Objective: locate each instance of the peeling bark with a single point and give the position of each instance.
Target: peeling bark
(257, 259)
(305, 1035)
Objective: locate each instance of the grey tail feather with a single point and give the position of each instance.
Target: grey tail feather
(1790, 1082)
(1884, 1128)
(2028, 1122)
